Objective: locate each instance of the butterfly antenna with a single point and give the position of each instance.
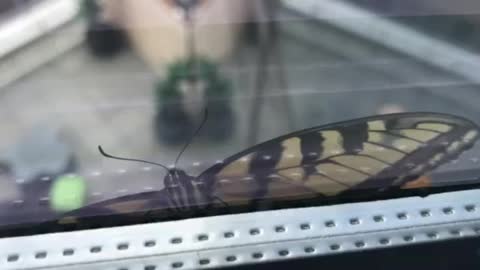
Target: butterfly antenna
(131, 159)
(205, 117)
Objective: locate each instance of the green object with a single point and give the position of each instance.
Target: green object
(217, 86)
(173, 123)
(89, 9)
(68, 193)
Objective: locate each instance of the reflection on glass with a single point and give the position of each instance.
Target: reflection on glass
(136, 77)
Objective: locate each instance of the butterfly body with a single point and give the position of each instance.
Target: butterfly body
(181, 193)
(372, 154)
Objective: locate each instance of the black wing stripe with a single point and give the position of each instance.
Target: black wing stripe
(265, 160)
(353, 136)
(311, 146)
(263, 164)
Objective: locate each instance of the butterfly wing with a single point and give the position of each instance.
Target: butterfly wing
(127, 206)
(370, 153)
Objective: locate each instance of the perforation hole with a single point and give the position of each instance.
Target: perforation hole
(280, 229)
(41, 255)
(96, 249)
(202, 237)
(229, 234)
(68, 252)
(18, 203)
(330, 224)
(176, 240)
(231, 258)
(425, 213)
(334, 247)
(204, 261)
(13, 258)
(432, 235)
(283, 252)
(150, 243)
(150, 267)
(447, 210)
(177, 265)
(123, 246)
(354, 221)
(305, 226)
(309, 250)
(402, 216)
(255, 231)
(378, 218)
(470, 208)
(384, 241)
(408, 238)
(455, 232)
(359, 244)
(44, 201)
(257, 255)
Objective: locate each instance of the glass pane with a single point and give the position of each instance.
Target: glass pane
(136, 77)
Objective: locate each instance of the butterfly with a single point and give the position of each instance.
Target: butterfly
(378, 153)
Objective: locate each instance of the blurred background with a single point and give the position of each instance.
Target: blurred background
(75, 74)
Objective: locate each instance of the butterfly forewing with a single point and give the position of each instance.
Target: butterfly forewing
(370, 153)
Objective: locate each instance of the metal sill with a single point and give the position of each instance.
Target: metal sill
(252, 238)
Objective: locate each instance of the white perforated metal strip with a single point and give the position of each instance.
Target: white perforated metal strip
(249, 238)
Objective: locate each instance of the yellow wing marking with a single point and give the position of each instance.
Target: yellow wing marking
(296, 174)
(128, 206)
(419, 135)
(377, 137)
(406, 145)
(342, 174)
(363, 163)
(384, 154)
(68, 220)
(454, 147)
(239, 167)
(332, 144)
(324, 185)
(291, 155)
(377, 125)
(472, 134)
(435, 127)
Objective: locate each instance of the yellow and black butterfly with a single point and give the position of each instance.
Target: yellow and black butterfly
(375, 153)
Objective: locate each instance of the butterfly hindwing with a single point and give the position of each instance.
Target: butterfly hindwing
(125, 205)
(369, 153)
